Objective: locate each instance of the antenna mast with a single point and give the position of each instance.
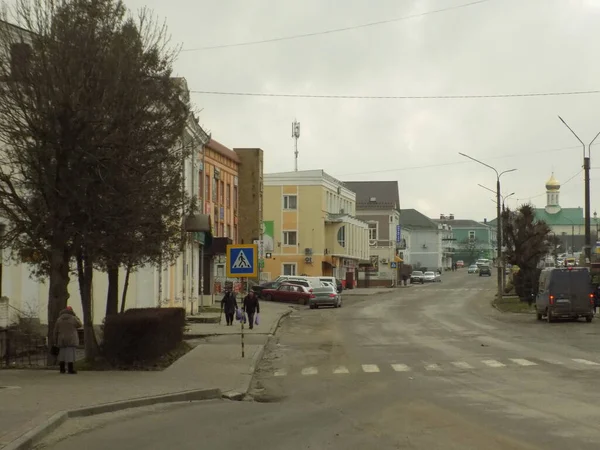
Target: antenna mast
(296, 135)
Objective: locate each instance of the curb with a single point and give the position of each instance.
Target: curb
(32, 437)
(276, 324)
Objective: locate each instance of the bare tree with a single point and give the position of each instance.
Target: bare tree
(89, 120)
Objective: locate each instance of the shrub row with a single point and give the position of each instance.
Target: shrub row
(142, 335)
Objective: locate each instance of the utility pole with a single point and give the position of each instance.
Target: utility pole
(586, 170)
(498, 222)
(296, 136)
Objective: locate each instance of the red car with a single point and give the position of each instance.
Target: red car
(288, 293)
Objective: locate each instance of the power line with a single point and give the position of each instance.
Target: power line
(398, 97)
(562, 184)
(335, 30)
(428, 166)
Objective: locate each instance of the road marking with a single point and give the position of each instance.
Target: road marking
(462, 365)
(432, 367)
(492, 363)
(400, 367)
(341, 369)
(280, 373)
(310, 371)
(523, 362)
(586, 362)
(370, 368)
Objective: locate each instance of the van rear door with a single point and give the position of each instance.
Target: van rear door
(570, 291)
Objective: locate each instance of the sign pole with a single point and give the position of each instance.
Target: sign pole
(242, 322)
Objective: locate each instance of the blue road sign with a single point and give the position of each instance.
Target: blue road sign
(393, 265)
(398, 233)
(242, 261)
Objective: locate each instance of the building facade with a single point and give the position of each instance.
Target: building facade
(423, 238)
(473, 240)
(310, 226)
(250, 202)
(378, 204)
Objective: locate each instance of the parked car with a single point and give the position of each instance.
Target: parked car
(416, 277)
(258, 289)
(337, 283)
(485, 270)
(325, 296)
(431, 277)
(473, 268)
(288, 293)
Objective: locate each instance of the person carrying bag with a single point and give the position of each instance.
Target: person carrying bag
(251, 307)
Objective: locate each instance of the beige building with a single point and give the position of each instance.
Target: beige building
(310, 226)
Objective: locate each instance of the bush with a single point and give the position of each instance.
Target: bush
(142, 335)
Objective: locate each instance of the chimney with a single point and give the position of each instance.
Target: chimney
(451, 217)
(442, 217)
(484, 220)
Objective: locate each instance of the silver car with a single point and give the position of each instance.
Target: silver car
(325, 296)
(431, 277)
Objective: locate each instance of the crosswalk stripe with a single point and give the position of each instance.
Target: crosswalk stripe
(280, 373)
(370, 368)
(310, 371)
(400, 367)
(341, 369)
(492, 363)
(586, 362)
(523, 362)
(432, 367)
(462, 365)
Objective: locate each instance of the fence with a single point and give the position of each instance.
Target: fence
(22, 350)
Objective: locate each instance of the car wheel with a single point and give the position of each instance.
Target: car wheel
(589, 318)
(549, 317)
(311, 306)
(269, 298)
(538, 315)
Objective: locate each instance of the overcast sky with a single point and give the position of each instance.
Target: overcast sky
(496, 47)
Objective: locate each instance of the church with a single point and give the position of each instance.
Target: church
(568, 224)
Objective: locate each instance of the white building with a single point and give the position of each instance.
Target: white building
(423, 239)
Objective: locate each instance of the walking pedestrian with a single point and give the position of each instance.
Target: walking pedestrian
(251, 307)
(67, 339)
(229, 306)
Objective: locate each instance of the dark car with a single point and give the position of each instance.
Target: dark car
(485, 270)
(258, 289)
(565, 292)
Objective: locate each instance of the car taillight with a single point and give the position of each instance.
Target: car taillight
(312, 295)
(592, 299)
(332, 295)
(310, 290)
(552, 299)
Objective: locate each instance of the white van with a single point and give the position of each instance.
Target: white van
(309, 282)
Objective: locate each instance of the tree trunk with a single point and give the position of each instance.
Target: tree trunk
(58, 291)
(85, 272)
(112, 296)
(125, 287)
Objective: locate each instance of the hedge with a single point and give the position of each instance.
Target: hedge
(143, 334)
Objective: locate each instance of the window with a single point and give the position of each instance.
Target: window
(341, 236)
(207, 186)
(235, 197)
(215, 189)
(290, 202)
(290, 238)
(288, 269)
(228, 199)
(373, 231)
(20, 59)
(471, 235)
(234, 237)
(200, 185)
(222, 193)
(228, 232)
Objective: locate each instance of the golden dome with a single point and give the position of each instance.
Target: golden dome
(552, 184)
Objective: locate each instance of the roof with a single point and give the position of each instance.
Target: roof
(222, 150)
(385, 194)
(463, 223)
(566, 216)
(413, 219)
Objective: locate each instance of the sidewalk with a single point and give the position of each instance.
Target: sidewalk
(30, 397)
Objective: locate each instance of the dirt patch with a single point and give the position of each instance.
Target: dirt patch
(513, 305)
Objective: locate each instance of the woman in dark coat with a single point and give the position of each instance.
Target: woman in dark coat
(251, 307)
(66, 338)
(229, 305)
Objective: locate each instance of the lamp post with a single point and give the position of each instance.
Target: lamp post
(503, 197)
(586, 169)
(498, 219)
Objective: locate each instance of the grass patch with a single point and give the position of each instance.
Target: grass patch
(514, 305)
(101, 364)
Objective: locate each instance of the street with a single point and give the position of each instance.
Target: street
(426, 367)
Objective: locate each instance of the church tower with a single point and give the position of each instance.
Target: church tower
(552, 195)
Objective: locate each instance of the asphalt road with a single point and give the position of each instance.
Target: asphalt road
(427, 367)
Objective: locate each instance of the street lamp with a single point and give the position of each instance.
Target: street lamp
(586, 168)
(503, 197)
(498, 219)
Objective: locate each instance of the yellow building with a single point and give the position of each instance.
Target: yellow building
(310, 228)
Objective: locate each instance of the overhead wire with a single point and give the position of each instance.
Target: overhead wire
(335, 30)
(397, 97)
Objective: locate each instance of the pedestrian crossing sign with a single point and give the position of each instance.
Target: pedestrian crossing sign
(242, 261)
